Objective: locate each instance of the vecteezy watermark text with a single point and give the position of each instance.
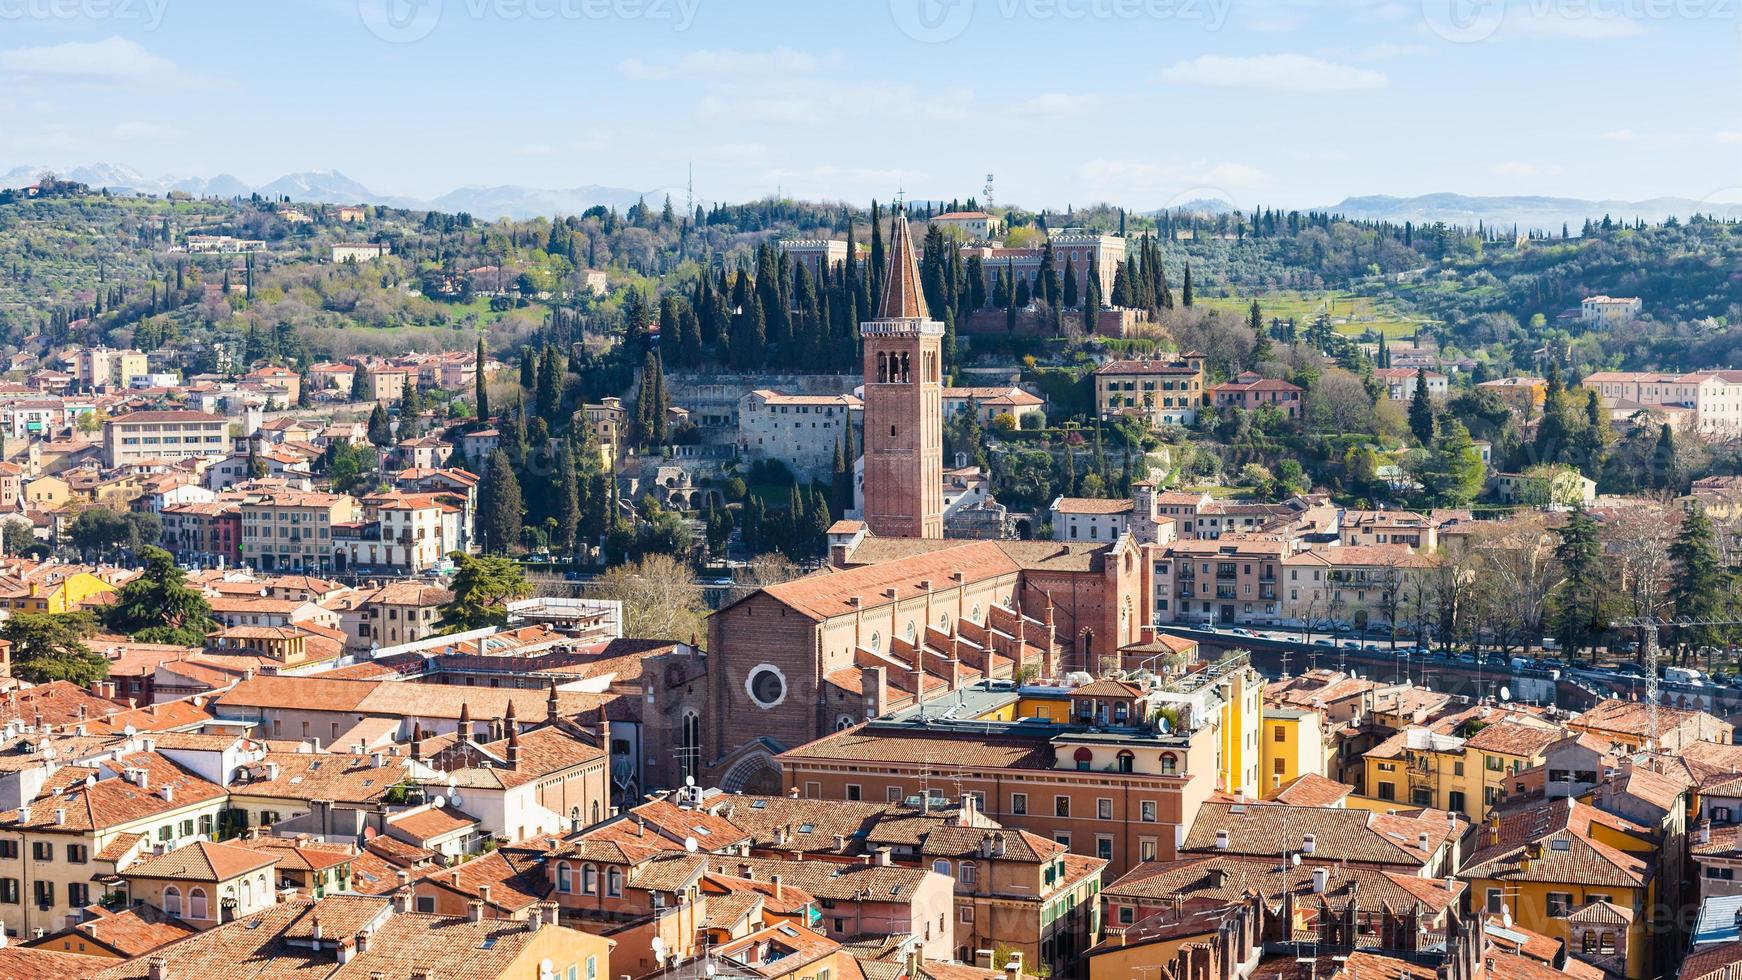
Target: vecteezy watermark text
(148, 13)
(1469, 21)
(937, 21)
(405, 21)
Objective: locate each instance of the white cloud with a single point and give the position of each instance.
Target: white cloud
(1522, 169)
(1058, 104)
(113, 59)
(727, 66)
(1391, 52)
(1731, 136)
(1274, 72)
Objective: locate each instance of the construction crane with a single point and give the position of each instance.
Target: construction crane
(1648, 626)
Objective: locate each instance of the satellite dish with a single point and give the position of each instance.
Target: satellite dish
(691, 845)
(658, 946)
(1297, 860)
(689, 781)
(1505, 693)
(440, 801)
(90, 781)
(454, 799)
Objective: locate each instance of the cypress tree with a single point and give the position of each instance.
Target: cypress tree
(550, 385)
(380, 430)
(528, 370)
(1261, 351)
(359, 383)
(499, 506)
(1070, 284)
(1185, 293)
(1421, 410)
(480, 388)
(568, 500)
(1700, 581)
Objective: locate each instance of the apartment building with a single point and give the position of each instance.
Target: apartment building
(400, 533)
(102, 366)
(1468, 774)
(1398, 384)
(1251, 391)
(1163, 392)
(1605, 311)
(1221, 581)
(292, 531)
(1362, 585)
(1090, 518)
(91, 816)
(168, 435)
(1713, 398)
(1524, 395)
(801, 431)
(1388, 527)
(993, 402)
(1110, 770)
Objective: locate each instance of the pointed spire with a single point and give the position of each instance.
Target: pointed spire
(550, 704)
(903, 299)
(465, 719)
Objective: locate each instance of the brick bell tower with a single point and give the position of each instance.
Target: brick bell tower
(904, 412)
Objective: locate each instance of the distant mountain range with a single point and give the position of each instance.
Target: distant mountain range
(514, 201)
(1527, 212)
(333, 187)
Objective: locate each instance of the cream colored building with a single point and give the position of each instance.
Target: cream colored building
(1356, 584)
(170, 435)
(87, 819)
(106, 366)
(293, 530)
(1713, 397)
(802, 431)
(1164, 392)
(1610, 310)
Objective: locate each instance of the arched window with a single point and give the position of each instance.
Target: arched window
(1169, 764)
(197, 903)
(613, 882)
(595, 811)
(1084, 757)
(944, 622)
(247, 894)
(172, 900)
(975, 615)
(970, 873)
(564, 877)
(689, 752)
(876, 641)
(941, 866)
(589, 880)
(1126, 760)
(912, 632)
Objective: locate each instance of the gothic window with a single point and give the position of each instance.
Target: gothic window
(689, 751)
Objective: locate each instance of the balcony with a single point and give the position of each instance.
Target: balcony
(1226, 592)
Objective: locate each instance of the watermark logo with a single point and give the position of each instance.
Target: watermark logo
(938, 21)
(932, 21)
(408, 21)
(1464, 21)
(400, 21)
(145, 12)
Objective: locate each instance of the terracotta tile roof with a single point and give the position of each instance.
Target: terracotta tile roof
(263, 691)
(113, 801)
(778, 950)
(1634, 718)
(974, 751)
(1508, 737)
(826, 594)
(1527, 846)
(711, 830)
(1258, 829)
(516, 877)
(202, 861)
(1146, 367)
(58, 703)
(320, 776)
(426, 825)
(1661, 790)
(298, 854)
(1718, 961)
(829, 880)
(17, 963)
(1092, 505)
(1312, 789)
(1229, 878)
(1017, 845)
(132, 932)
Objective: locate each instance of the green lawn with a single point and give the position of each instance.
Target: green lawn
(1353, 315)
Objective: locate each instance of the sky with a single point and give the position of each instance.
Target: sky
(1144, 103)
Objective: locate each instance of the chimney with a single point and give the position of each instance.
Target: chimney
(1221, 840)
(1421, 840)
(60, 816)
(347, 948)
(1308, 844)
(157, 969)
(513, 742)
(484, 893)
(1321, 879)
(378, 759)
(402, 898)
(271, 771)
(317, 928)
(1013, 969)
(884, 857)
(1705, 833)
(168, 793)
(474, 911)
(778, 891)
(840, 842)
